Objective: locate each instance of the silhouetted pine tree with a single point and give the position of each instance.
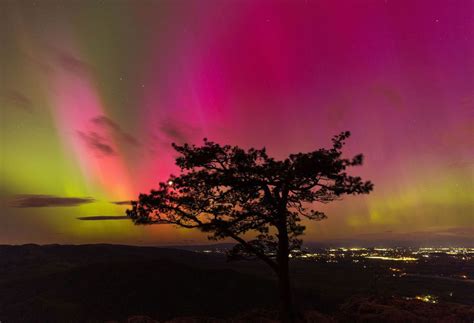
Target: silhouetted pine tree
(227, 191)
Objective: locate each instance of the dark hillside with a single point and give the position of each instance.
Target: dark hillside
(116, 289)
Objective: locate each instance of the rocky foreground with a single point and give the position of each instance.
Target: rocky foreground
(357, 310)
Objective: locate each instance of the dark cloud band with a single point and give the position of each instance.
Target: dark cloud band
(122, 202)
(102, 218)
(33, 200)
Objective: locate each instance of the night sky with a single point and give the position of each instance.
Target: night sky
(92, 94)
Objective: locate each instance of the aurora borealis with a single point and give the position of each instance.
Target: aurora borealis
(92, 93)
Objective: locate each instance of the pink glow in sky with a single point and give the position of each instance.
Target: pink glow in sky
(99, 105)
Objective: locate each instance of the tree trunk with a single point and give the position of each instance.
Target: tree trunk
(286, 302)
(287, 314)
